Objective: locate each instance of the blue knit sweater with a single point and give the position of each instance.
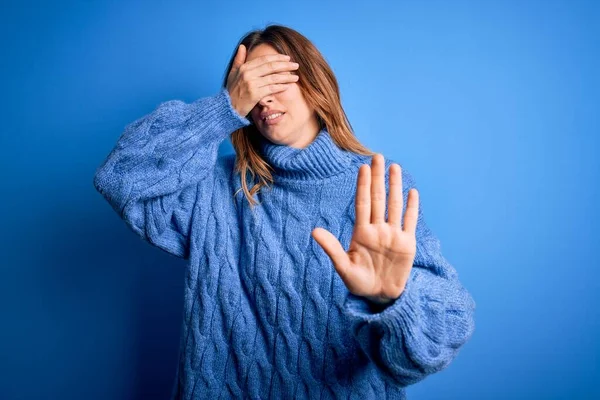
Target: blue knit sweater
(266, 315)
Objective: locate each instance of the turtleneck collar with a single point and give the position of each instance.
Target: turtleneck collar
(320, 159)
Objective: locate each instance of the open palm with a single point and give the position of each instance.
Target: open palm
(381, 253)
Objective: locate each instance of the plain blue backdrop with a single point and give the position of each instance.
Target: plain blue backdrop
(492, 106)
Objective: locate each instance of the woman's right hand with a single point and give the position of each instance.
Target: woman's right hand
(248, 82)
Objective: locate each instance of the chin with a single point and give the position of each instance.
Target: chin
(275, 137)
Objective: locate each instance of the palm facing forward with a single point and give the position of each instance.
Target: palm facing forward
(381, 254)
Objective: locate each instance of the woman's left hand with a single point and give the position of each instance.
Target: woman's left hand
(381, 254)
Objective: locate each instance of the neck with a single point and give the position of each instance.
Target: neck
(319, 159)
(308, 133)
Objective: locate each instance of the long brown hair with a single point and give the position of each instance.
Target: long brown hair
(320, 90)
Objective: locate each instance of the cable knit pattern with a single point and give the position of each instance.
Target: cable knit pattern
(266, 315)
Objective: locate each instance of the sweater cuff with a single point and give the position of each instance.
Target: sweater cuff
(219, 115)
(235, 115)
(401, 311)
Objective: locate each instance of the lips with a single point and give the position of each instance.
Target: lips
(273, 121)
(265, 114)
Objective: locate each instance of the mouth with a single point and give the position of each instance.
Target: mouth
(273, 119)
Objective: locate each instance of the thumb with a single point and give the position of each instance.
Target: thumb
(334, 250)
(240, 56)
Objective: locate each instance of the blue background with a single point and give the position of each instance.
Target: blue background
(492, 106)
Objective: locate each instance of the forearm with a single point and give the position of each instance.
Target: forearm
(167, 150)
(160, 165)
(419, 333)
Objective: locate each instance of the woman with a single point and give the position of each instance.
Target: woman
(275, 307)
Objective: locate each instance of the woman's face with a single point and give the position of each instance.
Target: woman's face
(298, 126)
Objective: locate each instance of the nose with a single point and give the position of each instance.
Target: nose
(265, 100)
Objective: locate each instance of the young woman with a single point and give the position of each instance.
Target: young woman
(311, 269)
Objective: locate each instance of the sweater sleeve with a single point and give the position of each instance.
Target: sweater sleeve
(420, 332)
(160, 163)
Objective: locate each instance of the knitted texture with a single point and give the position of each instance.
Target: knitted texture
(266, 314)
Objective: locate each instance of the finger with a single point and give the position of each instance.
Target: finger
(377, 189)
(273, 88)
(333, 248)
(240, 56)
(268, 64)
(412, 211)
(273, 67)
(281, 77)
(362, 203)
(395, 199)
